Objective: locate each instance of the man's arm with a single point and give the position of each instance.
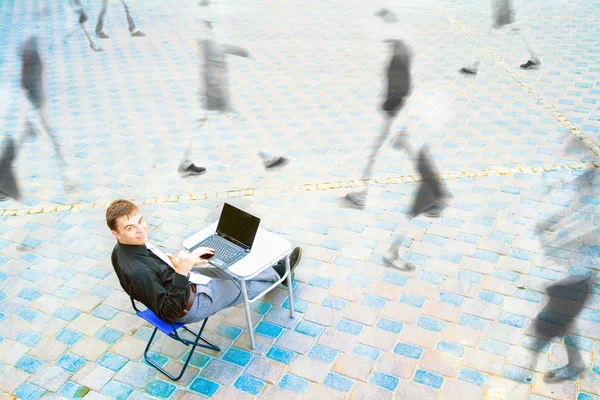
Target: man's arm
(166, 302)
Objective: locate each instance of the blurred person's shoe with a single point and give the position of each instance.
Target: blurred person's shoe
(532, 63)
(187, 169)
(469, 70)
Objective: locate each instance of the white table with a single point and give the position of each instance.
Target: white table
(267, 250)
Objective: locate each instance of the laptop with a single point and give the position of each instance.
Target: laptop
(233, 239)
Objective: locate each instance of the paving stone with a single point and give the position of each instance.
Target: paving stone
(418, 336)
(361, 314)
(352, 367)
(86, 324)
(174, 368)
(410, 390)
(182, 394)
(243, 342)
(275, 392)
(484, 361)
(221, 372)
(526, 358)
(11, 351)
(295, 341)
(48, 350)
(129, 347)
(334, 339)
(377, 338)
(440, 363)
(505, 388)
(226, 393)
(309, 368)
(93, 376)
(461, 390)
(441, 310)
(401, 312)
(323, 315)
(561, 390)
(266, 370)
(89, 348)
(237, 317)
(365, 391)
(347, 292)
(49, 377)
(11, 378)
(135, 375)
(397, 365)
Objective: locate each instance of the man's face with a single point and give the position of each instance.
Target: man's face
(132, 230)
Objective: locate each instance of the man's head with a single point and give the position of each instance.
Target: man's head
(126, 223)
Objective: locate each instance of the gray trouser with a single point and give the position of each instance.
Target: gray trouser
(224, 293)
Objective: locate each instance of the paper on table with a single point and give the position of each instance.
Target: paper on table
(199, 279)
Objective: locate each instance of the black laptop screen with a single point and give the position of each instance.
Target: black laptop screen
(237, 224)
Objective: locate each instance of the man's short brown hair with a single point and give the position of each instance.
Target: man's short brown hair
(118, 209)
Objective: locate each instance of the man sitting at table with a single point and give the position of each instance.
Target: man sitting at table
(161, 282)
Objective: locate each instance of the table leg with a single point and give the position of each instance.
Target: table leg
(248, 315)
(290, 289)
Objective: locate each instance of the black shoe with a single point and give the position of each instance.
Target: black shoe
(190, 170)
(470, 70)
(102, 35)
(294, 261)
(137, 34)
(532, 63)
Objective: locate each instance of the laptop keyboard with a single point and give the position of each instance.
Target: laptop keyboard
(223, 251)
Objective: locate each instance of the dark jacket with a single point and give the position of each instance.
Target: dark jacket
(149, 280)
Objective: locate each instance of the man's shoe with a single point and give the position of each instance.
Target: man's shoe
(294, 261)
(532, 63)
(102, 35)
(271, 161)
(469, 70)
(137, 34)
(190, 170)
(357, 198)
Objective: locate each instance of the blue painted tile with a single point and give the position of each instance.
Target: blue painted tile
(528, 295)
(346, 262)
(351, 327)
(428, 378)
(299, 305)
(522, 254)
(338, 382)
(469, 276)
(335, 303)
(294, 383)
(486, 255)
(67, 313)
(451, 256)
(204, 387)
(590, 315)
(506, 274)
(358, 228)
(160, 389)
(249, 384)
(280, 355)
(491, 297)
(70, 363)
(28, 364)
(373, 302)
(28, 391)
(385, 381)
(433, 239)
(320, 228)
(394, 279)
(518, 321)
(237, 356)
(414, 258)
(431, 324)
(390, 325)
(386, 225)
(358, 280)
(474, 377)
(451, 298)
(412, 300)
(268, 329)
(471, 321)
(108, 335)
(309, 328)
(67, 336)
(322, 353)
(29, 339)
(112, 361)
(408, 350)
(432, 277)
(29, 315)
(156, 358)
(579, 342)
(543, 273)
(332, 245)
(451, 348)
(29, 294)
(230, 332)
(321, 282)
(517, 374)
(198, 360)
(492, 346)
(366, 352)
(71, 390)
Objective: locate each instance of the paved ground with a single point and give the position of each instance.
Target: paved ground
(510, 144)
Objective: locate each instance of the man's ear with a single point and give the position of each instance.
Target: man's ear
(115, 234)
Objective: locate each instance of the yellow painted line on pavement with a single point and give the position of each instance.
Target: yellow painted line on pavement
(559, 116)
(309, 187)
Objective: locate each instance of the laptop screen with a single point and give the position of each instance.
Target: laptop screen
(238, 225)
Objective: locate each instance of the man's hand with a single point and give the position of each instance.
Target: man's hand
(185, 261)
(204, 252)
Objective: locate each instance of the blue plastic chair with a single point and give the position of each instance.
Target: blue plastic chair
(171, 331)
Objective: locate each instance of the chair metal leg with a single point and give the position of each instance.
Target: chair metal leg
(194, 344)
